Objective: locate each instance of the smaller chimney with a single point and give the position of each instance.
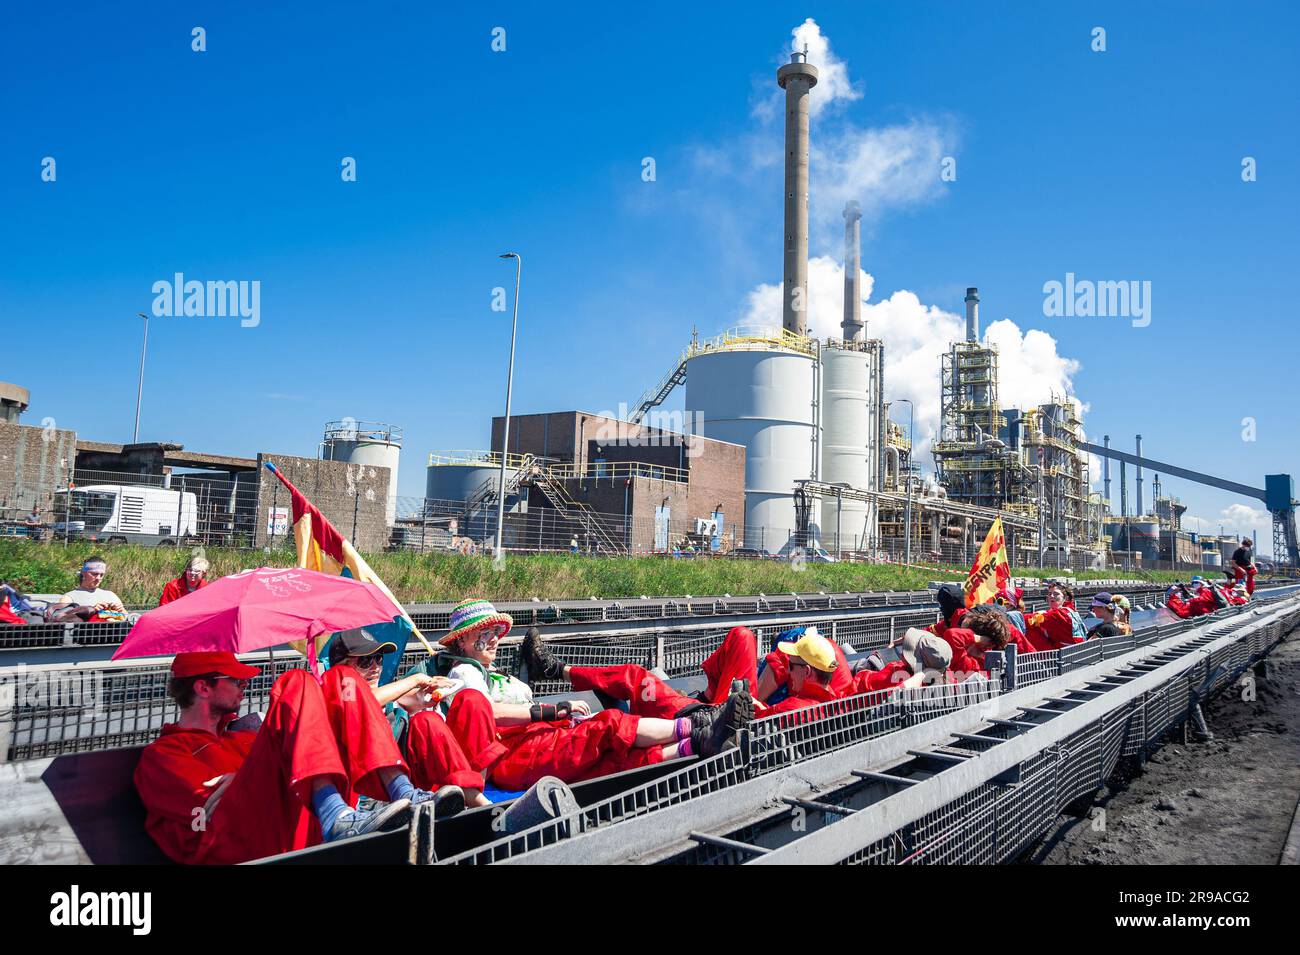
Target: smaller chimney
(972, 315)
(852, 325)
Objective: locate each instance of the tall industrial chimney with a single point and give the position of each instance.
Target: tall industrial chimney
(1105, 467)
(797, 77)
(972, 315)
(1140, 512)
(854, 330)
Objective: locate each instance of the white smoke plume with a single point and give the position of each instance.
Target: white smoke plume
(1030, 370)
(833, 83)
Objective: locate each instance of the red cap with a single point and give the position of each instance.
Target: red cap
(212, 661)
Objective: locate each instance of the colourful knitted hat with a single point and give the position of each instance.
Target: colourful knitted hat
(473, 615)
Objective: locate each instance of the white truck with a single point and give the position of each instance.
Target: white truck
(125, 514)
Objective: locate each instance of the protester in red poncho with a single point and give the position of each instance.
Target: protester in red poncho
(515, 741)
(193, 578)
(983, 628)
(735, 659)
(925, 659)
(1059, 625)
(1243, 565)
(1196, 602)
(952, 606)
(217, 794)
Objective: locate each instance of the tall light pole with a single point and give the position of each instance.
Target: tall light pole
(139, 392)
(499, 555)
(907, 511)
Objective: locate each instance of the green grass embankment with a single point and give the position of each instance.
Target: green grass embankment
(138, 574)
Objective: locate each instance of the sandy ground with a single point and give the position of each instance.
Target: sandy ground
(1227, 801)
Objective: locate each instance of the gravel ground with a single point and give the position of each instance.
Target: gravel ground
(1229, 801)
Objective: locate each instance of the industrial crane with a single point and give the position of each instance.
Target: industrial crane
(1278, 495)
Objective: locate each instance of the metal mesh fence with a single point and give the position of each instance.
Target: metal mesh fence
(1000, 819)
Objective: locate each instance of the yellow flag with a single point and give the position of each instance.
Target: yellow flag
(991, 571)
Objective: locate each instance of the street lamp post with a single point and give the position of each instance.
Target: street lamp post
(505, 431)
(907, 511)
(139, 392)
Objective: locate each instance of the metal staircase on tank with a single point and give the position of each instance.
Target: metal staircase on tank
(575, 511)
(660, 392)
(487, 491)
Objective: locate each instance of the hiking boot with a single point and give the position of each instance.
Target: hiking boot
(723, 729)
(541, 662)
(700, 714)
(447, 800)
(384, 817)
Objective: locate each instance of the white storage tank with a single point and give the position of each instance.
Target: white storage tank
(367, 443)
(756, 387)
(851, 407)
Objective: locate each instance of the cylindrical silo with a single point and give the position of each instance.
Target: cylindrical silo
(850, 417)
(756, 387)
(458, 476)
(370, 444)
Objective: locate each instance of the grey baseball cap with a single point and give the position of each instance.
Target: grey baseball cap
(924, 651)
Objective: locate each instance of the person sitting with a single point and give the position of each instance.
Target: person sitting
(191, 579)
(1195, 600)
(1243, 565)
(774, 678)
(217, 795)
(952, 606)
(88, 601)
(924, 659)
(436, 761)
(1059, 625)
(1239, 594)
(515, 741)
(1103, 609)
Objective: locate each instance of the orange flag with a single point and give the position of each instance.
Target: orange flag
(991, 572)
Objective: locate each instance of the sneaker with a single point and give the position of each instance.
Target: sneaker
(447, 800)
(731, 718)
(541, 662)
(384, 817)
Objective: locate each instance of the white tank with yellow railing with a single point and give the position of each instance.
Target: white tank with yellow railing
(759, 387)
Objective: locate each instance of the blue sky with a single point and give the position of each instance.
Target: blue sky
(375, 302)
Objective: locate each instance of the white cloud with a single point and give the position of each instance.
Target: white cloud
(1237, 520)
(882, 168)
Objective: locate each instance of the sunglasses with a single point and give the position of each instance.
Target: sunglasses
(371, 659)
(243, 683)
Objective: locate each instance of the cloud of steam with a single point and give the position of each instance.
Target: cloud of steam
(833, 83)
(1030, 371)
(1237, 520)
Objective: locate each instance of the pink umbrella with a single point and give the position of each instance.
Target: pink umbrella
(256, 609)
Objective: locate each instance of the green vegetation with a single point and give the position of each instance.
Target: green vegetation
(137, 574)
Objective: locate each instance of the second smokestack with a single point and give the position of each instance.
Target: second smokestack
(972, 315)
(854, 330)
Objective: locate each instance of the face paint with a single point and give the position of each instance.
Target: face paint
(484, 640)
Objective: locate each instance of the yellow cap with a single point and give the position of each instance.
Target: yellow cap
(814, 650)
